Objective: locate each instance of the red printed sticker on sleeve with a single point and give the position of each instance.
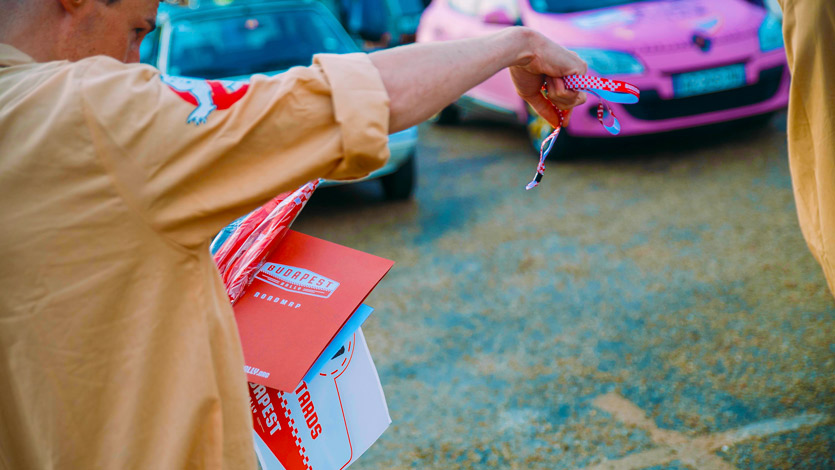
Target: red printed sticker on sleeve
(206, 95)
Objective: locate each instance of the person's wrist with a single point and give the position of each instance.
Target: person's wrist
(523, 42)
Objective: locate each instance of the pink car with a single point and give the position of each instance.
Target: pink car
(696, 62)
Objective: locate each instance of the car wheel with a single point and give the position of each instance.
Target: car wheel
(449, 115)
(760, 120)
(539, 129)
(399, 185)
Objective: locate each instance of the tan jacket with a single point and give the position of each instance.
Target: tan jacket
(118, 347)
(809, 31)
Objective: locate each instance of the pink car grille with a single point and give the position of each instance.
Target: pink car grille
(653, 108)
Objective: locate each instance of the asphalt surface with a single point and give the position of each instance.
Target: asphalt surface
(652, 304)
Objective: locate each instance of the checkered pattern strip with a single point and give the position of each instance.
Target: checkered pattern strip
(590, 82)
(295, 432)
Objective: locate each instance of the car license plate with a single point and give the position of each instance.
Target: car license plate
(708, 81)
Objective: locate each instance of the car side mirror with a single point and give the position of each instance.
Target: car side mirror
(498, 16)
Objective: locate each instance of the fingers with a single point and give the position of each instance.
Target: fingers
(580, 65)
(550, 62)
(558, 97)
(570, 63)
(559, 61)
(547, 111)
(544, 108)
(562, 97)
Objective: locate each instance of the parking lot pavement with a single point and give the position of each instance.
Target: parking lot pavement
(651, 304)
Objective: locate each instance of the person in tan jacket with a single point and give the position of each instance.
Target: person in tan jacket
(809, 32)
(118, 347)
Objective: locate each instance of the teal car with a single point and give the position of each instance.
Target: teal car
(378, 24)
(237, 40)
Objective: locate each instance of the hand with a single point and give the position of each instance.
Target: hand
(543, 61)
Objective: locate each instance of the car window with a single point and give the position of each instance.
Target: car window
(572, 6)
(148, 48)
(468, 7)
(256, 43)
(483, 7)
(410, 7)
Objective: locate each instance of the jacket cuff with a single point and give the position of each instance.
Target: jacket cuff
(361, 108)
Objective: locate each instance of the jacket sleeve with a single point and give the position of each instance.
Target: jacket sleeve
(193, 155)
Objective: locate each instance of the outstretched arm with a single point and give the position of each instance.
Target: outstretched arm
(422, 79)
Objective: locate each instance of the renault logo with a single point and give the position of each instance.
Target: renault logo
(702, 42)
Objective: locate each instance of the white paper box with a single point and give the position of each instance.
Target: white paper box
(325, 424)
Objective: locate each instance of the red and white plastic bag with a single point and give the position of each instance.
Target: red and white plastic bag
(242, 254)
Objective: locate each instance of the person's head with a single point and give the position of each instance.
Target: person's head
(75, 29)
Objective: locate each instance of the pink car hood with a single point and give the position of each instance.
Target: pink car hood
(650, 27)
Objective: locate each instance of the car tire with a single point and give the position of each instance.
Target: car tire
(399, 185)
(449, 115)
(760, 120)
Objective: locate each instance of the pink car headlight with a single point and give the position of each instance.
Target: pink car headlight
(608, 62)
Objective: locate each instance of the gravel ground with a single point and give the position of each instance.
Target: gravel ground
(652, 304)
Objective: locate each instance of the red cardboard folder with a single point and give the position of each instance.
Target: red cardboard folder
(298, 301)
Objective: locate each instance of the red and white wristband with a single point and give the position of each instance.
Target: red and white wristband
(606, 90)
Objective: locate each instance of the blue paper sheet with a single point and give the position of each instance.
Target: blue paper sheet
(354, 322)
